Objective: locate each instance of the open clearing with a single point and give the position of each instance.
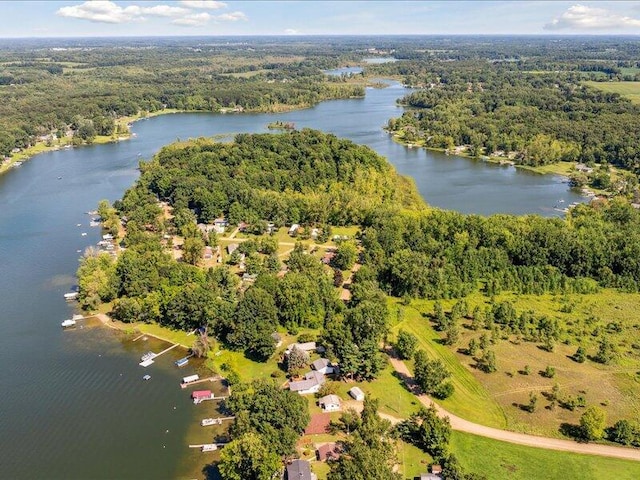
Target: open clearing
(630, 90)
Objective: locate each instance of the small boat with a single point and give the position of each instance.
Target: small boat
(561, 201)
(148, 356)
(71, 295)
(209, 447)
(205, 422)
(59, 178)
(84, 234)
(68, 323)
(182, 362)
(147, 377)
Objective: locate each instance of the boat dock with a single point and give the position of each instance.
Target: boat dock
(214, 421)
(201, 380)
(151, 360)
(208, 447)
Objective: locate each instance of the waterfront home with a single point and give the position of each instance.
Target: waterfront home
(357, 394)
(323, 365)
(311, 384)
(328, 451)
(299, 470)
(330, 403)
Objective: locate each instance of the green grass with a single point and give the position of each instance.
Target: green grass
(412, 460)
(630, 90)
(470, 400)
(499, 460)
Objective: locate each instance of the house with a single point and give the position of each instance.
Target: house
(232, 247)
(328, 451)
(314, 233)
(311, 384)
(330, 403)
(219, 224)
(277, 338)
(357, 394)
(271, 228)
(436, 469)
(299, 470)
(305, 347)
(242, 226)
(205, 228)
(429, 476)
(322, 365)
(293, 229)
(208, 253)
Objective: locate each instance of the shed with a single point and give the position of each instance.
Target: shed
(293, 229)
(357, 394)
(299, 470)
(330, 403)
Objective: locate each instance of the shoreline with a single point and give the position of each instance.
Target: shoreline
(127, 121)
(584, 191)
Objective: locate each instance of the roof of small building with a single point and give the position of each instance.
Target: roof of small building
(299, 470)
(356, 391)
(320, 363)
(329, 400)
(232, 247)
(305, 347)
(318, 424)
(329, 450)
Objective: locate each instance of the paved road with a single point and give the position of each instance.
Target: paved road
(463, 425)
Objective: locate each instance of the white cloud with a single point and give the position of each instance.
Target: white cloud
(582, 17)
(165, 11)
(203, 4)
(104, 11)
(291, 31)
(231, 17)
(193, 20)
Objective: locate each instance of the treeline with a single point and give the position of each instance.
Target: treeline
(534, 118)
(300, 177)
(442, 254)
(56, 91)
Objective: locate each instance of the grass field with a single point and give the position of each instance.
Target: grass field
(471, 400)
(630, 90)
(504, 461)
(614, 387)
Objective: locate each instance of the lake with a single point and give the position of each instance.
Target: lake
(73, 403)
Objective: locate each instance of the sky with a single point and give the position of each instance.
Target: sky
(211, 17)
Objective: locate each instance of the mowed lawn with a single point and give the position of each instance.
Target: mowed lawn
(505, 461)
(630, 90)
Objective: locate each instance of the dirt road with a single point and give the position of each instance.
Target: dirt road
(463, 425)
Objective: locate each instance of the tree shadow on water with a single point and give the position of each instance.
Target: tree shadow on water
(211, 472)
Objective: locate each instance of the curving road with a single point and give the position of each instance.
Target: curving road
(463, 425)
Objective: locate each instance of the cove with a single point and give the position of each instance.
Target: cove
(73, 403)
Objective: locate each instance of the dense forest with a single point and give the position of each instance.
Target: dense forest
(52, 91)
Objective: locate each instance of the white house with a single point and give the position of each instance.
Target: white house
(330, 403)
(219, 224)
(357, 394)
(311, 384)
(323, 365)
(305, 347)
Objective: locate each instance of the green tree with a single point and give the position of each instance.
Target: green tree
(406, 344)
(248, 457)
(430, 375)
(346, 255)
(592, 423)
(192, 250)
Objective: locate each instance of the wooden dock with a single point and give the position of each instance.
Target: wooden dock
(166, 350)
(202, 380)
(215, 421)
(208, 447)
